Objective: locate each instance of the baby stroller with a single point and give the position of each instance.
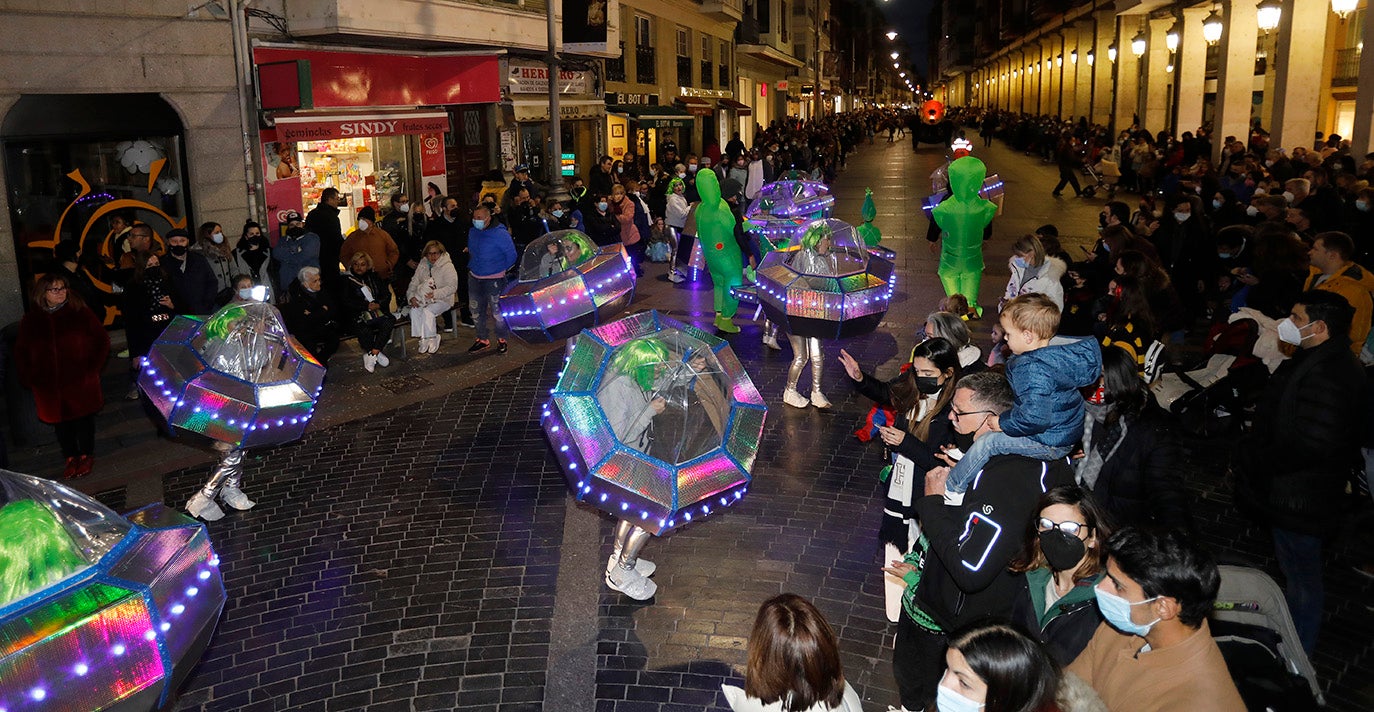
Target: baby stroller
(1255, 633)
(1104, 176)
(1213, 397)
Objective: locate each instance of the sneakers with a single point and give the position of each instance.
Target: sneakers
(723, 323)
(643, 567)
(122, 354)
(467, 323)
(794, 399)
(676, 277)
(203, 507)
(132, 394)
(369, 363)
(502, 346)
(434, 343)
(631, 583)
(479, 345)
(818, 399)
(234, 497)
(382, 360)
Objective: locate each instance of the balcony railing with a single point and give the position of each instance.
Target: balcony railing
(725, 78)
(615, 68)
(684, 71)
(645, 69)
(706, 75)
(1347, 70)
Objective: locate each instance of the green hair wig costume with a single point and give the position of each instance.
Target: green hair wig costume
(586, 248)
(637, 359)
(814, 234)
(35, 550)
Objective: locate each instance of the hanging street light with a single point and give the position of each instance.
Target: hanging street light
(1343, 7)
(1211, 28)
(1171, 37)
(1138, 42)
(1059, 60)
(896, 55)
(891, 35)
(1090, 58)
(1111, 52)
(1073, 55)
(1267, 14)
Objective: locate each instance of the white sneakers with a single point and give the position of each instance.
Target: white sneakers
(382, 360)
(819, 400)
(676, 277)
(369, 363)
(430, 345)
(631, 583)
(793, 398)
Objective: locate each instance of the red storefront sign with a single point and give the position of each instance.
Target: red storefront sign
(328, 79)
(432, 155)
(324, 127)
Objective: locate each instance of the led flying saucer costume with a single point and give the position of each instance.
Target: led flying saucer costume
(566, 284)
(656, 423)
(813, 258)
(237, 378)
(99, 611)
(963, 218)
(777, 219)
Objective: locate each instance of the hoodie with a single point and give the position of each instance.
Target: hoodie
(1048, 407)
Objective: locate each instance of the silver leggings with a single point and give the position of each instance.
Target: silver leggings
(802, 349)
(228, 473)
(629, 541)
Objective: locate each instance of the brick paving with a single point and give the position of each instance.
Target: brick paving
(427, 557)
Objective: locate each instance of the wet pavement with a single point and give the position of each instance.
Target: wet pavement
(418, 550)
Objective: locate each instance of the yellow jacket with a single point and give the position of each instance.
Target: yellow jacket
(1356, 284)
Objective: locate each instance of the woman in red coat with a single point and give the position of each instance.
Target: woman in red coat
(60, 353)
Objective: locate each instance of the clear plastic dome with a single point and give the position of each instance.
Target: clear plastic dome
(665, 395)
(249, 341)
(48, 533)
(555, 252)
(828, 248)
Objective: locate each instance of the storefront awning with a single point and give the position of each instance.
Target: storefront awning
(323, 127)
(740, 108)
(653, 117)
(538, 109)
(697, 106)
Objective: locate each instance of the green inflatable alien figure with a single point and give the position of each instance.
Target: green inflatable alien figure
(870, 234)
(716, 231)
(962, 217)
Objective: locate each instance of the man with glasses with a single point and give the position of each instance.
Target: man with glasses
(958, 570)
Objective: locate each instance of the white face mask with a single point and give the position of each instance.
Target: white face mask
(1216, 205)
(1362, 205)
(1182, 217)
(364, 225)
(947, 700)
(217, 238)
(1252, 211)
(403, 207)
(1288, 195)
(1290, 333)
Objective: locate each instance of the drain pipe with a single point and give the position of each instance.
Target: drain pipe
(243, 65)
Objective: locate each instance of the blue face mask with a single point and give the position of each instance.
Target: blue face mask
(246, 293)
(1216, 204)
(1018, 262)
(602, 206)
(479, 224)
(1117, 611)
(1224, 255)
(947, 700)
(558, 213)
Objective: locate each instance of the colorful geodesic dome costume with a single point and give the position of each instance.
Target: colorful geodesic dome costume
(238, 378)
(716, 233)
(567, 284)
(962, 217)
(655, 422)
(99, 611)
(783, 209)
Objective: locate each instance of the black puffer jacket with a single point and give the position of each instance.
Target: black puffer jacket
(1292, 469)
(1139, 485)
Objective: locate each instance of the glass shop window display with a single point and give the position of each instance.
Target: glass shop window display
(664, 396)
(366, 171)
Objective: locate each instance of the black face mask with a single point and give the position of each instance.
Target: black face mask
(295, 232)
(1062, 551)
(178, 250)
(962, 441)
(928, 385)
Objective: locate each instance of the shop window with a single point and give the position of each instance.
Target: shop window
(643, 32)
(684, 43)
(76, 163)
(366, 171)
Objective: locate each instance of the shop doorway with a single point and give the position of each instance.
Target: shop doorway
(708, 133)
(465, 150)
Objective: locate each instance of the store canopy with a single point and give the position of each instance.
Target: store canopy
(324, 127)
(697, 106)
(538, 109)
(740, 108)
(653, 117)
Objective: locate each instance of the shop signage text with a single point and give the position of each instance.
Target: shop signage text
(706, 93)
(532, 78)
(323, 128)
(625, 99)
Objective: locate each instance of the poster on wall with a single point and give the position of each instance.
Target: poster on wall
(508, 150)
(433, 171)
(590, 25)
(282, 179)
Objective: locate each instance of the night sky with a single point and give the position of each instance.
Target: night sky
(909, 18)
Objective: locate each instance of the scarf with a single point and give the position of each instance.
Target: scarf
(1102, 438)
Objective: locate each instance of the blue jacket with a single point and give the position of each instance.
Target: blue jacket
(294, 253)
(491, 250)
(1049, 408)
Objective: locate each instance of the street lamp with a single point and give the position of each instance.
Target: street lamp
(1171, 37)
(1059, 60)
(1211, 28)
(1090, 56)
(1111, 52)
(1343, 7)
(1268, 14)
(1073, 55)
(896, 55)
(1138, 42)
(891, 35)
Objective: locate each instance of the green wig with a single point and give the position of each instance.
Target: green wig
(587, 249)
(638, 357)
(220, 324)
(674, 183)
(815, 234)
(35, 550)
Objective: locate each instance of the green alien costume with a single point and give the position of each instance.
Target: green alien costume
(716, 232)
(870, 234)
(962, 218)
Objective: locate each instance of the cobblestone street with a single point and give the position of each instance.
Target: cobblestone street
(426, 555)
